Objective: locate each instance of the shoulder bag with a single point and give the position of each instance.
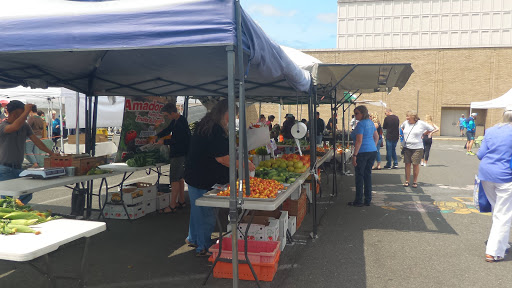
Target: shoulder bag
(402, 152)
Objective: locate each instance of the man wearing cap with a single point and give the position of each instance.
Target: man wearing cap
(462, 125)
(13, 133)
(470, 133)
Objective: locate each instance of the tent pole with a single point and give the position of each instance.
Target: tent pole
(233, 201)
(94, 122)
(61, 124)
(77, 129)
(185, 107)
(335, 184)
(313, 160)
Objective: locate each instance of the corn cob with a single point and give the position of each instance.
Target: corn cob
(22, 215)
(22, 229)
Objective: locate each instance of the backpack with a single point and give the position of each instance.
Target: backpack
(470, 125)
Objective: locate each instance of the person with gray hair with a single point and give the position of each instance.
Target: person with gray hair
(413, 129)
(495, 174)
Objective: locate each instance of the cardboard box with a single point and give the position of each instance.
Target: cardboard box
(148, 190)
(118, 212)
(282, 217)
(162, 200)
(296, 194)
(131, 196)
(149, 206)
(292, 224)
(292, 206)
(262, 228)
(81, 138)
(82, 164)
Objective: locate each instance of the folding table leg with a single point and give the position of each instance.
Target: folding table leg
(49, 271)
(245, 247)
(82, 275)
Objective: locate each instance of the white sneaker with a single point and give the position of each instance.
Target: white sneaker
(425, 164)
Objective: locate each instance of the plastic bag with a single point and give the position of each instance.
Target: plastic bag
(480, 200)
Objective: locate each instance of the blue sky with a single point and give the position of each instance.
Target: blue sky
(298, 24)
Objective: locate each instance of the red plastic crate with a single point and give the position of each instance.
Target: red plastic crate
(264, 271)
(259, 252)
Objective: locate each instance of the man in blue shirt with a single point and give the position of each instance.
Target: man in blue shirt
(462, 125)
(470, 133)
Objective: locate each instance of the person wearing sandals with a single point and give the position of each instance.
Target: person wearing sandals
(207, 164)
(365, 151)
(178, 143)
(413, 129)
(495, 174)
(376, 121)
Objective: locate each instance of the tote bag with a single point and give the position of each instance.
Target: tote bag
(480, 200)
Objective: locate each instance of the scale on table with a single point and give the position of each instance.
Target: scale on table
(43, 173)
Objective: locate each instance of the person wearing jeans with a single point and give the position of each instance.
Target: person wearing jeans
(365, 151)
(207, 164)
(391, 125)
(202, 221)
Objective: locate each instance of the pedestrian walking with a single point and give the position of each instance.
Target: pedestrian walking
(470, 133)
(365, 142)
(462, 125)
(38, 126)
(376, 122)
(495, 174)
(392, 126)
(413, 129)
(427, 140)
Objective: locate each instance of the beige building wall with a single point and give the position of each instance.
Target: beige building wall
(443, 80)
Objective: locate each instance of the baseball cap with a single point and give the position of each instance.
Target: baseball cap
(508, 108)
(288, 115)
(474, 114)
(15, 104)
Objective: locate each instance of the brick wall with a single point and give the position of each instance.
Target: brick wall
(443, 78)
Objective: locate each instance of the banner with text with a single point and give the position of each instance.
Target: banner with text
(141, 122)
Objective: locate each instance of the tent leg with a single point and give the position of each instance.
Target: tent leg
(233, 201)
(313, 126)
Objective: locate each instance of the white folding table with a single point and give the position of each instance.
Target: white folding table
(22, 186)
(25, 247)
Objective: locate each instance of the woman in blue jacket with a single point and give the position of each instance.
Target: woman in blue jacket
(365, 151)
(495, 172)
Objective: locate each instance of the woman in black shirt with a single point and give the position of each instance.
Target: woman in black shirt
(207, 164)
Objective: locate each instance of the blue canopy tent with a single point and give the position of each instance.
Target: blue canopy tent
(147, 48)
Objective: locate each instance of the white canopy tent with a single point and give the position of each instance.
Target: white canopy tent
(501, 102)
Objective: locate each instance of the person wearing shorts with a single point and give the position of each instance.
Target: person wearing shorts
(413, 130)
(179, 142)
(470, 133)
(462, 125)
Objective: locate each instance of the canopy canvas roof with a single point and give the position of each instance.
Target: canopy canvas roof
(501, 102)
(138, 48)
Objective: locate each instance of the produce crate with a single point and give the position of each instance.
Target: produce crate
(82, 164)
(259, 252)
(264, 271)
(292, 206)
(85, 164)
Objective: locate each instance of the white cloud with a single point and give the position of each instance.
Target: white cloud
(327, 17)
(270, 10)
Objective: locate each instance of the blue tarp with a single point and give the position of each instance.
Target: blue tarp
(138, 47)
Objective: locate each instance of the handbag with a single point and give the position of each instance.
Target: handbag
(480, 200)
(402, 152)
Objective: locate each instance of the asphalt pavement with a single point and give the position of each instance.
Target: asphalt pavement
(430, 236)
